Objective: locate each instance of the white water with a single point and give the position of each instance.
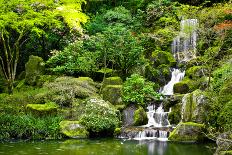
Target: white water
(184, 45)
(177, 76)
(156, 119)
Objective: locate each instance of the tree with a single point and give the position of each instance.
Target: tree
(19, 18)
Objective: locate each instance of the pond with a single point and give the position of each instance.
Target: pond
(102, 147)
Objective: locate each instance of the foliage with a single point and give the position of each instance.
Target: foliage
(225, 117)
(140, 117)
(115, 48)
(99, 117)
(137, 90)
(29, 127)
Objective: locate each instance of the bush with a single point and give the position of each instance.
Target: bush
(29, 127)
(140, 117)
(99, 118)
(225, 118)
(136, 90)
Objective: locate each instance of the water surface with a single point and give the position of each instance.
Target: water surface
(102, 147)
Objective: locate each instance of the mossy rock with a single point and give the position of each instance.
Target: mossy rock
(140, 117)
(196, 72)
(34, 68)
(193, 106)
(112, 81)
(174, 116)
(113, 94)
(42, 109)
(187, 132)
(224, 142)
(181, 87)
(73, 129)
(163, 57)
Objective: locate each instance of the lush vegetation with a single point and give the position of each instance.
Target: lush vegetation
(60, 59)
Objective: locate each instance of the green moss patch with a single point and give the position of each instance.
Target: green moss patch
(113, 94)
(187, 132)
(140, 117)
(73, 129)
(42, 109)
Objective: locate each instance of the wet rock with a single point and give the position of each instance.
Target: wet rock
(128, 115)
(224, 143)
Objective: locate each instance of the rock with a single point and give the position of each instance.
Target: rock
(34, 68)
(187, 132)
(162, 57)
(174, 117)
(181, 88)
(113, 94)
(112, 81)
(140, 117)
(224, 143)
(73, 129)
(128, 115)
(42, 109)
(196, 72)
(193, 107)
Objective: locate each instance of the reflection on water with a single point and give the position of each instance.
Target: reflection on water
(102, 147)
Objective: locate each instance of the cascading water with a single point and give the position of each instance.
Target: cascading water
(157, 122)
(184, 45)
(177, 76)
(183, 49)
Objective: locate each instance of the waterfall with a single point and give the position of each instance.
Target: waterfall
(183, 49)
(157, 122)
(184, 45)
(177, 76)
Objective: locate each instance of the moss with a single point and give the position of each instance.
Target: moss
(45, 79)
(112, 81)
(181, 87)
(163, 57)
(196, 72)
(34, 68)
(113, 94)
(73, 129)
(174, 116)
(187, 132)
(117, 131)
(42, 109)
(140, 117)
(192, 84)
(225, 92)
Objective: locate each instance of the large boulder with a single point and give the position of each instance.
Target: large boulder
(34, 69)
(187, 132)
(128, 115)
(193, 107)
(73, 129)
(42, 109)
(113, 94)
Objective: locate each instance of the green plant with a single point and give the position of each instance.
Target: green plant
(99, 118)
(29, 127)
(137, 90)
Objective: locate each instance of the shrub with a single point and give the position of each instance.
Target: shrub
(136, 90)
(29, 127)
(99, 117)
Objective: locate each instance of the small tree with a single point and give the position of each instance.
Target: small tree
(19, 18)
(137, 90)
